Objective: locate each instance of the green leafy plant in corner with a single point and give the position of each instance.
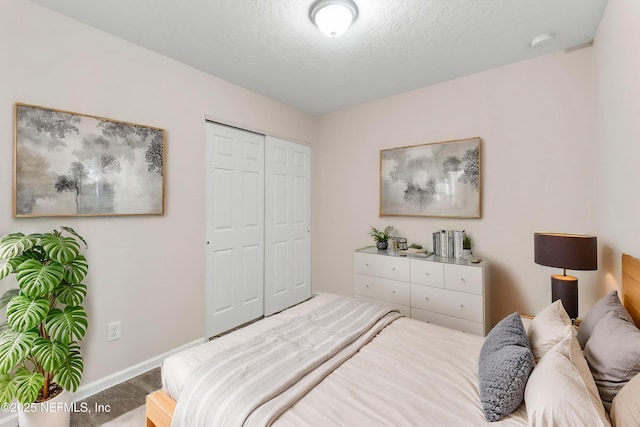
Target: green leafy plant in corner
(381, 235)
(40, 341)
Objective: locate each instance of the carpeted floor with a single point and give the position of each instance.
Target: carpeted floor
(119, 406)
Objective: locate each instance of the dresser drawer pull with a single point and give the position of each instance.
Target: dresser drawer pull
(461, 306)
(462, 280)
(393, 292)
(366, 286)
(427, 298)
(393, 268)
(427, 274)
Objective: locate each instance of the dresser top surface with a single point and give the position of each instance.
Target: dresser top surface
(431, 258)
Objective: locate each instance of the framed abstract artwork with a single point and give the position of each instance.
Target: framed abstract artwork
(70, 164)
(433, 180)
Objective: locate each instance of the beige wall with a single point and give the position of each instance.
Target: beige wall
(147, 272)
(617, 81)
(535, 119)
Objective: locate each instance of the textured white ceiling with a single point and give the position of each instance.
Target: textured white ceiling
(271, 47)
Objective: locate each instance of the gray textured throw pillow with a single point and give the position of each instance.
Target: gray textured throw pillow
(504, 366)
(613, 354)
(607, 303)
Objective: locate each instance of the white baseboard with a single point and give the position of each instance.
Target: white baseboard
(90, 389)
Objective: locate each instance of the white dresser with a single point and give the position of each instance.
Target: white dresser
(443, 291)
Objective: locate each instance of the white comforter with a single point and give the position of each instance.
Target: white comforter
(255, 382)
(411, 374)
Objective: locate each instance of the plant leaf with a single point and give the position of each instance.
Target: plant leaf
(36, 279)
(76, 270)
(11, 265)
(14, 244)
(69, 374)
(7, 388)
(71, 294)
(72, 231)
(68, 325)
(6, 268)
(8, 296)
(27, 384)
(14, 347)
(60, 249)
(51, 354)
(24, 313)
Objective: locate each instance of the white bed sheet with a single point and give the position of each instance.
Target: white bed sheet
(411, 374)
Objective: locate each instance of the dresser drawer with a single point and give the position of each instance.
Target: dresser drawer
(427, 273)
(463, 278)
(450, 322)
(383, 289)
(388, 267)
(403, 309)
(456, 304)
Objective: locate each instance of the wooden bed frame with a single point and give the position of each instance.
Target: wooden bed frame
(160, 406)
(631, 286)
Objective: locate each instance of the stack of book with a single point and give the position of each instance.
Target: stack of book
(448, 243)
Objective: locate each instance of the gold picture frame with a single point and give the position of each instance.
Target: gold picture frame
(71, 164)
(441, 179)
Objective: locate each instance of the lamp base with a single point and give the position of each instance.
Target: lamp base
(565, 288)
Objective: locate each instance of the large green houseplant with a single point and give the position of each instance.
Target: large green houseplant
(39, 342)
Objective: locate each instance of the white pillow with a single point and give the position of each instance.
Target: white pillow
(625, 410)
(548, 328)
(560, 393)
(578, 360)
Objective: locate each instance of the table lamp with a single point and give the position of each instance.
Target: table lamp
(569, 252)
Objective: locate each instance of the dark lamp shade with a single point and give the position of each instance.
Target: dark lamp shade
(567, 251)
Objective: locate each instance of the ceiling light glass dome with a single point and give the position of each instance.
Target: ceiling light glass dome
(333, 17)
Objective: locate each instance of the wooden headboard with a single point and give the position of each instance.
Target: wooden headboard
(631, 286)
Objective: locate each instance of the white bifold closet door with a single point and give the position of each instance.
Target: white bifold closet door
(234, 227)
(257, 226)
(287, 224)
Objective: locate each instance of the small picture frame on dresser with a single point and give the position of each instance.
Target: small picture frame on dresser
(402, 243)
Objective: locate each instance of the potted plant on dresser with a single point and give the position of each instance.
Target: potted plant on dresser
(40, 360)
(467, 243)
(381, 237)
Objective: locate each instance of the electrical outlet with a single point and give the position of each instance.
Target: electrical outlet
(113, 331)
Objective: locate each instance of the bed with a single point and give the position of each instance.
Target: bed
(404, 373)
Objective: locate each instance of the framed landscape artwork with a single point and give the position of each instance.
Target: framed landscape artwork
(435, 180)
(70, 164)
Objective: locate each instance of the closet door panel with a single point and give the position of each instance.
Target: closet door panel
(223, 296)
(234, 227)
(287, 224)
(280, 262)
(252, 280)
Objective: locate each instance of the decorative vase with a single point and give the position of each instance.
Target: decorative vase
(382, 245)
(466, 254)
(54, 412)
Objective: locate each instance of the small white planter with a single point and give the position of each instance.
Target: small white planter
(55, 412)
(466, 254)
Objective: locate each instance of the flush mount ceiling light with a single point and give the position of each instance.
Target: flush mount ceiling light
(541, 40)
(333, 17)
